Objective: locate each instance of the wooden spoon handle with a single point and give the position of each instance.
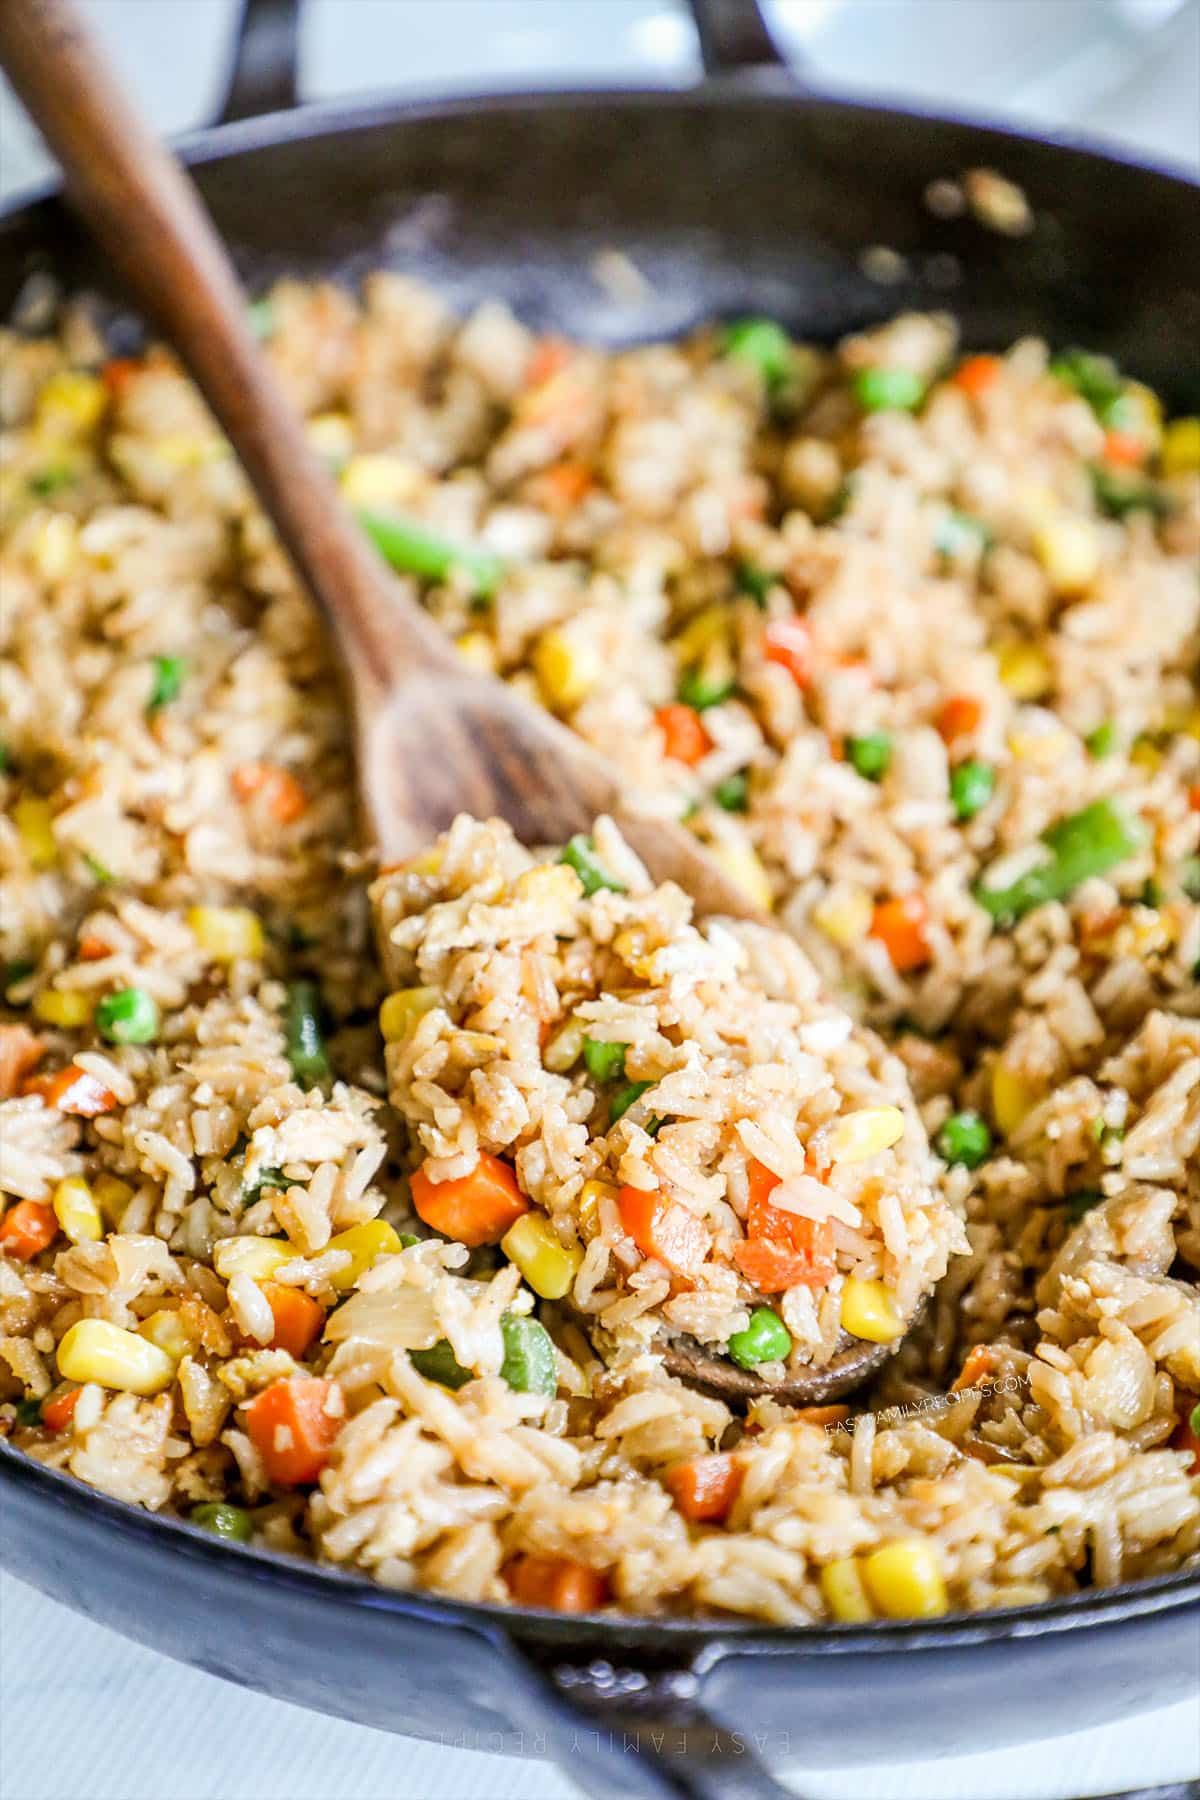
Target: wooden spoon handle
(151, 222)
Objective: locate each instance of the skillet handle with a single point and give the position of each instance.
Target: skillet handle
(625, 1734)
(264, 62)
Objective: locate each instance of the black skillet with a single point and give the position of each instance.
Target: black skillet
(746, 194)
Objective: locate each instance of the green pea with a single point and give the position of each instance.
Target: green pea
(440, 1364)
(763, 344)
(529, 1364)
(1103, 741)
(1081, 1202)
(29, 1412)
(972, 785)
(734, 792)
(130, 1017)
(965, 1139)
(604, 1061)
(700, 690)
(888, 390)
(224, 1521)
(169, 675)
(624, 1098)
(580, 855)
(765, 1339)
(871, 754)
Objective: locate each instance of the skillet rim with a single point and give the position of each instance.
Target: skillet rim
(702, 1642)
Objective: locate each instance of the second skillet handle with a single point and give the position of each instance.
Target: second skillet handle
(264, 65)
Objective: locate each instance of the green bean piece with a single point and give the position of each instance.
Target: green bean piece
(624, 1098)
(1081, 846)
(529, 1365)
(303, 1036)
(604, 1061)
(419, 549)
(580, 855)
(440, 1364)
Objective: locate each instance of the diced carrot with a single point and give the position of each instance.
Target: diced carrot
(117, 374)
(684, 738)
(1183, 1437)
(72, 1090)
(292, 1429)
(663, 1229)
(773, 1267)
(823, 1415)
(92, 948)
(298, 1318)
(1194, 798)
(705, 1487)
(557, 1583)
(976, 375)
(782, 1249)
(474, 1209)
(900, 927)
(562, 485)
(550, 356)
(20, 1051)
(977, 1363)
(284, 795)
(788, 642)
(959, 718)
(27, 1229)
(57, 1414)
(1124, 448)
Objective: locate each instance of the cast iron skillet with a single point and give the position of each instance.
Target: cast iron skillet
(743, 195)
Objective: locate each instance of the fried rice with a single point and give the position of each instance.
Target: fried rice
(362, 1238)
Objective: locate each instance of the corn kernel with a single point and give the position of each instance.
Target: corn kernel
(331, 435)
(113, 1195)
(52, 549)
(227, 933)
(1043, 749)
(1024, 671)
(1145, 755)
(55, 1006)
(70, 405)
(364, 1242)
(547, 1265)
(567, 669)
(1069, 551)
(843, 1592)
(1181, 447)
(565, 1048)
(94, 1350)
(740, 862)
(400, 1011)
(857, 1135)
(844, 914)
(165, 1328)
(77, 1211)
(478, 651)
(869, 1311)
(34, 822)
(590, 1197)
(258, 1257)
(380, 480)
(1013, 1098)
(905, 1582)
(709, 627)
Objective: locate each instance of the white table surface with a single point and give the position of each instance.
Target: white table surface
(86, 1715)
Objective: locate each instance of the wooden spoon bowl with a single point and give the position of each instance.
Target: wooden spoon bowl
(433, 739)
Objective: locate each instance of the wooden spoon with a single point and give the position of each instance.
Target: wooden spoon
(433, 738)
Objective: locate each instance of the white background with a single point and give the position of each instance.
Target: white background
(87, 1716)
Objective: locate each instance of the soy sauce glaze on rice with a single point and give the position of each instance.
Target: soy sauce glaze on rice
(372, 1256)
